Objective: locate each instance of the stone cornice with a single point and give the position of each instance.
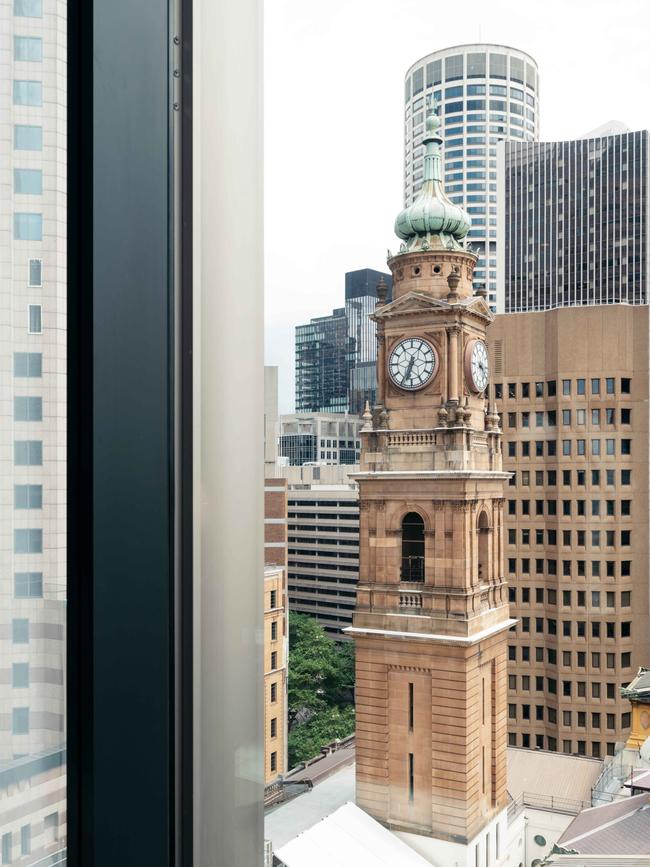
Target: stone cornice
(436, 637)
(410, 475)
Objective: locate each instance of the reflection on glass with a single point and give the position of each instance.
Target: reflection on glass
(32, 445)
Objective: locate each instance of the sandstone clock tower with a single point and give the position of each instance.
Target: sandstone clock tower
(431, 619)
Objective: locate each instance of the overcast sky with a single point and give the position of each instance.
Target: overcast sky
(334, 95)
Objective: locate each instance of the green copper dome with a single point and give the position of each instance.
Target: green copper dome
(432, 214)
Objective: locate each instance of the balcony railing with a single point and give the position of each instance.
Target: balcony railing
(412, 568)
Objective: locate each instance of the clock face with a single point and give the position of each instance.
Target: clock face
(412, 363)
(477, 365)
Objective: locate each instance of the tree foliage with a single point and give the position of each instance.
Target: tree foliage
(321, 673)
(320, 689)
(305, 740)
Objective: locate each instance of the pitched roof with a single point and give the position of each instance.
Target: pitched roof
(551, 778)
(349, 836)
(639, 779)
(598, 861)
(620, 828)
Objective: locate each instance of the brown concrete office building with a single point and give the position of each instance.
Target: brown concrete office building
(572, 388)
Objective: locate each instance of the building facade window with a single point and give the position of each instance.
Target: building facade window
(28, 49)
(28, 182)
(28, 137)
(28, 585)
(28, 408)
(28, 8)
(28, 496)
(28, 227)
(28, 541)
(28, 93)
(28, 364)
(20, 721)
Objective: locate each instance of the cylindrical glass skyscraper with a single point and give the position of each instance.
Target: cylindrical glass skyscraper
(484, 93)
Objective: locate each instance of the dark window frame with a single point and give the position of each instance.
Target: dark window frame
(122, 149)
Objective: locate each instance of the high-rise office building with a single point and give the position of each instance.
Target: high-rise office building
(573, 216)
(323, 361)
(485, 93)
(323, 543)
(323, 538)
(319, 438)
(33, 57)
(572, 388)
(336, 354)
(360, 302)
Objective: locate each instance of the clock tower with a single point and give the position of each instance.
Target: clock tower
(431, 619)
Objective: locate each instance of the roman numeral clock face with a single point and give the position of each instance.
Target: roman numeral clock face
(477, 369)
(412, 363)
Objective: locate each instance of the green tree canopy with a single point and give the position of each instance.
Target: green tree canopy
(306, 740)
(321, 672)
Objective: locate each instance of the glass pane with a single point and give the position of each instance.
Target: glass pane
(517, 69)
(28, 138)
(35, 267)
(28, 48)
(28, 93)
(28, 8)
(29, 181)
(28, 227)
(454, 67)
(33, 415)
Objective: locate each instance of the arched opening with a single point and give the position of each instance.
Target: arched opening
(483, 548)
(412, 547)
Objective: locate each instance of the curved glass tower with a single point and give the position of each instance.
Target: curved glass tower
(484, 93)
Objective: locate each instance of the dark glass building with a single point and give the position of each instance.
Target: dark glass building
(323, 360)
(360, 301)
(573, 216)
(336, 355)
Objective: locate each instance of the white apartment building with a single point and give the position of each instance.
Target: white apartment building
(485, 94)
(32, 381)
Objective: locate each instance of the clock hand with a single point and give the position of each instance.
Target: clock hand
(409, 368)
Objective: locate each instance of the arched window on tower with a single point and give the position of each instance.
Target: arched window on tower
(483, 548)
(412, 547)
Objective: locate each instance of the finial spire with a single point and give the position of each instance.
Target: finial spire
(432, 140)
(432, 216)
(367, 418)
(382, 291)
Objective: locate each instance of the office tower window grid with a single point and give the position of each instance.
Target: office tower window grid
(323, 539)
(576, 524)
(323, 361)
(33, 483)
(575, 222)
(360, 302)
(336, 355)
(319, 438)
(485, 94)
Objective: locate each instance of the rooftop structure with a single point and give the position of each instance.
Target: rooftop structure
(541, 779)
(620, 828)
(345, 837)
(319, 438)
(537, 817)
